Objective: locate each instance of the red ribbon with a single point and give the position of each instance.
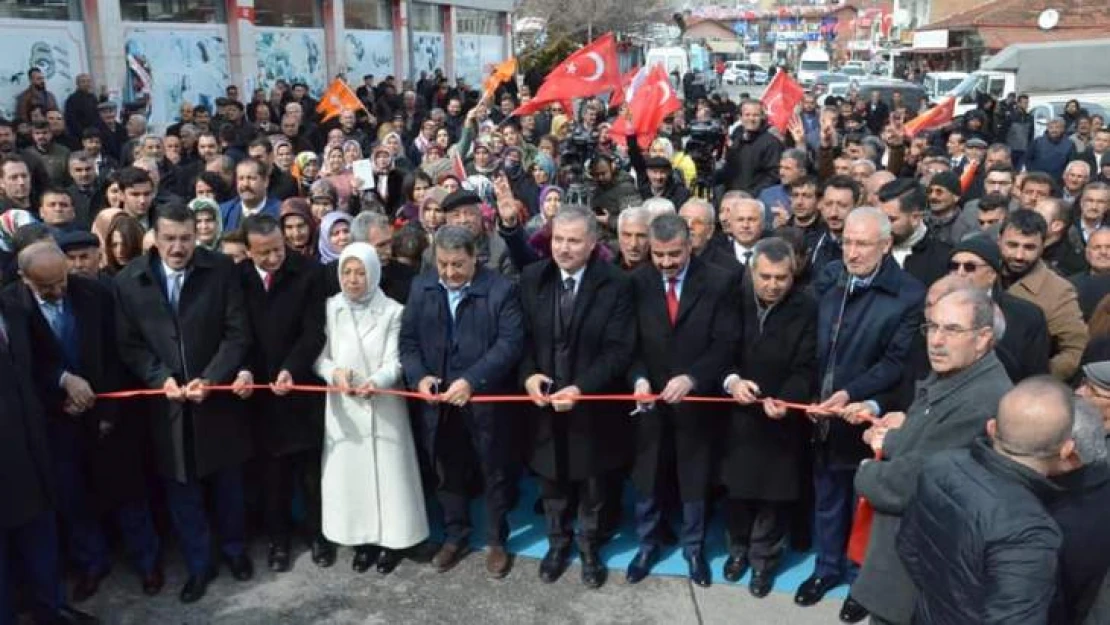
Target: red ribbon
(477, 399)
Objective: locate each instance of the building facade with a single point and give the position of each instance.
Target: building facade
(190, 50)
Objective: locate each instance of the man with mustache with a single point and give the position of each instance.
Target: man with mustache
(1025, 275)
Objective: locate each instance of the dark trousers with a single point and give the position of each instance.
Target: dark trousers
(834, 505)
(84, 536)
(559, 498)
(459, 468)
(280, 477)
(757, 529)
(186, 505)
(29, 556)
(650, 518)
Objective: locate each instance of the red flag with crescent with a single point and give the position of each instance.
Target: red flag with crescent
(624, 93)
(587, 72)
(654, 100)
(780, 98)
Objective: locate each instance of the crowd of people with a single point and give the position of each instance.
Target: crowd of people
(918, 321)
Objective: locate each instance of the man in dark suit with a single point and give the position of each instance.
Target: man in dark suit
(377, 230)
(462, 333)
(183, 326)
(285, 305)
(702, 220)
(869, 310)
(29, 551)
(97, 449)
(687, 327)
(280, 185)
(251, 178)
(761, 467)
(579, 339)
(914, 248)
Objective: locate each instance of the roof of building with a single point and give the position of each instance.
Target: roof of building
(1022, 14)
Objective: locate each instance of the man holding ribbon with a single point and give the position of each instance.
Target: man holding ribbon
(183, 327)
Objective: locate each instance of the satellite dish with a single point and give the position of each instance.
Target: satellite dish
(1048, 19)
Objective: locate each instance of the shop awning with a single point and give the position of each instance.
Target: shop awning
(721, 46)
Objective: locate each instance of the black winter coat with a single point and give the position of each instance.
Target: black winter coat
(593, 437)
(752, 163)
(977, 541)
(287, 330)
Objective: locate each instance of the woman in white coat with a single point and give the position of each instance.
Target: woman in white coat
(371, 491)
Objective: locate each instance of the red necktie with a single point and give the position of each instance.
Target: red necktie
(268, 280)
(672, 300)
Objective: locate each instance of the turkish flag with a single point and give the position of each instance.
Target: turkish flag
(620, 95)
(587, 72)
(654, 100)
(779, 99)
(935, 117)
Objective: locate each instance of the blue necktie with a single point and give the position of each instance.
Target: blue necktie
(54, 313)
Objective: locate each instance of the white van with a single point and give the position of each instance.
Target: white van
(672, 59)
(814, 61)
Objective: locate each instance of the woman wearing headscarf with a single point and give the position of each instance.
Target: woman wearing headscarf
(339, 175)
(210, 225)
(551, 198)
(306, 169)
(335, 234)
(371, 491)
(298, 226)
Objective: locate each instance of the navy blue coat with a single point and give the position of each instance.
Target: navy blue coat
(232, 211)
(483, 345)
(872, 348)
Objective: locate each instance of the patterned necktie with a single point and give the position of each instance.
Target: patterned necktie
(672, 300)
(566, 302)
(268, 280)
(175, 289)
(54, 317)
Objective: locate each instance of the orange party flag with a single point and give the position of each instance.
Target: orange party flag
(935, 117)
(502, 73)
(336, 99)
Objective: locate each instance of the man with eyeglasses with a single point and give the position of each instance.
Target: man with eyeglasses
(976, 539)
(1024, 346)
(950, 409)
(868, 313)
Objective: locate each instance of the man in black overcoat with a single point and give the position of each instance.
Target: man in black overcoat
(182, 326)
(687, 327)
(284, 295)
(764, 445)
(579, 339)
(96, 446)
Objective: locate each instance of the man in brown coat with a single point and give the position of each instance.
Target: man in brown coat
(1025, 275)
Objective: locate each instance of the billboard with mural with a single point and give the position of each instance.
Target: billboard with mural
(292, 54)
(427, 53)
(55, 47)
(174, 65)
(367, 52)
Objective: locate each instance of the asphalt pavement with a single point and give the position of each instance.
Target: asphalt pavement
(415, 594)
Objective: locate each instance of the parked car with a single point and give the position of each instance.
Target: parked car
(913, 96)
(853, 70)
(823, 80)
(744, 73)
(836, 89)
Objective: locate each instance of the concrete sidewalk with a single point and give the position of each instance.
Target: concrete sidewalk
(416, 594)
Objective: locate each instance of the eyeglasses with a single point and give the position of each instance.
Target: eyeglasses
(967, 266)
(928, 329)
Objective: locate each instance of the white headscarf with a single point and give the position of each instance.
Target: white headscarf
(365, 253)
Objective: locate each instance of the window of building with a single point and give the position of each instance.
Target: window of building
(40, 10)
(479, 22)
(191, 11)
(368, 14)
(287, 13)
(426, 17)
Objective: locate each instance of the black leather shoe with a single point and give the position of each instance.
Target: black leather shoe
(87, 585)
(366, 556)
(68, 616)
(278, 560)
(761, 583)
(735, 567)
(240, 566)
(388, 560)
(699, 569)
(852, 611)
(153, 582)
(641, 565)
(593, 571)
(813, 590)
(554, 563)
(196, 586)
(323, 552)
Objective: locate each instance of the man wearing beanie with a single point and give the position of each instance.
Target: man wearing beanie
(944, 207)
(1023, 347)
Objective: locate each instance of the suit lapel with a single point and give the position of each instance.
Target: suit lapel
(691, 291)
(592, 280)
